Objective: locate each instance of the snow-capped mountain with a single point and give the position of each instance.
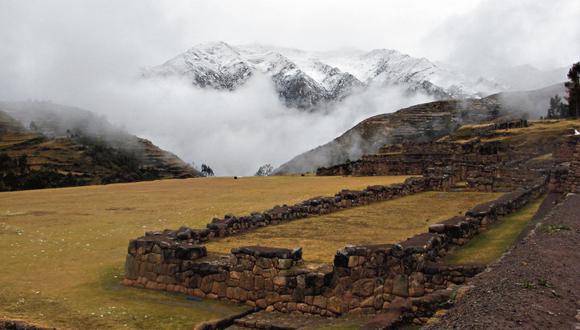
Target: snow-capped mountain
(306, 79)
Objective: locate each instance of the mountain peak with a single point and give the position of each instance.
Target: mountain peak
(307, 79)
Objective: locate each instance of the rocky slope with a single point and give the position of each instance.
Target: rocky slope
(419, 123)
(48, 145)
(308, 80)
(533, 286)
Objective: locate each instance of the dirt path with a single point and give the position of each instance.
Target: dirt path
(536, 285)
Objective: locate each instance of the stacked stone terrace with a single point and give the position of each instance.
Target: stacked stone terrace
(361, 279)
(485, 166)
(565, 175)
(573, 177)
(407, 276)
(232, 225)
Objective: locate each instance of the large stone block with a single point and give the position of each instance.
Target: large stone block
(247, 280)
(364, 287)
(416, 284)
(285, 263)
(319, 301)
(400, 286)
(131, 267)
(280, 281)
(336, 305)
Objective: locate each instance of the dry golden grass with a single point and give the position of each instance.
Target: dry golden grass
(538, 131)
(62, 250)
(10, 139)
(385, 222)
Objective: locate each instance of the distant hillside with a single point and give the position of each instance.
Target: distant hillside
(420, 123)
(47, 145)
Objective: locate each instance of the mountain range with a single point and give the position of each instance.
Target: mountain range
(310, 79)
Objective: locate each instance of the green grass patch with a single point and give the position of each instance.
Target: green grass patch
(554, 228)
(489, 245)
(106, 304)
(549, 156)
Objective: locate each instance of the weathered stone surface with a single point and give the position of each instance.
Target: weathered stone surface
(363, 279)
(400, 286)
(364, 287)
(416, 285)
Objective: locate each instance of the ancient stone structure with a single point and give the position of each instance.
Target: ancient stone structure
(565, 176)
(407, 276)
(484, 166)
(573, 177)
(232, 225)
(362, 278)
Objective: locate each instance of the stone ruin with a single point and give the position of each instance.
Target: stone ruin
(362, 279)
(565, 177)
(484, 166)
(406, 277)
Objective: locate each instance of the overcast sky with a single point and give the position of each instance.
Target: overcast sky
(78, 42)
(82, 53)
(97, 34)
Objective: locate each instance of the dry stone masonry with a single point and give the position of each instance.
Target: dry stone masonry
(407, 277)
(362, 279)
(233, 225)
(565, 176)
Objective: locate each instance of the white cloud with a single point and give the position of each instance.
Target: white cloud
(86, 53)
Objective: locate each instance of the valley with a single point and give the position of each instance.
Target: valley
(304, 165)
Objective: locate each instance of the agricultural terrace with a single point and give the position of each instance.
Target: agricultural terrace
(384, 222)
(63, 250)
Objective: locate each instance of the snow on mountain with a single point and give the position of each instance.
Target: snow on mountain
(306, 79)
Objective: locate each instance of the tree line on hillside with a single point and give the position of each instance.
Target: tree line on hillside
(16, 174)
(106, 165)
(558, 109)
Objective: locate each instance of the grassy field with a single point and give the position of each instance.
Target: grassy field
(538, 131)
(385, 222)
(63, 250)
(491, 244)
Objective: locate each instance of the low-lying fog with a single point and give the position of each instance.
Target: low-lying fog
(88, 54)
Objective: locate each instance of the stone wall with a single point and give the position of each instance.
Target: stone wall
(361, 279)
(485, 166)
(565, 175)
(565, 152)
(233, 225)
(573, 177)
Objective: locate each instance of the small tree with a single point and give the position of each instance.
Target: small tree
(557, 108)
(265, 170)
(33, 127)
(206, 170)
(573, 89)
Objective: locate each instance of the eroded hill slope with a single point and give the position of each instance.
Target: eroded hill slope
(420, 123)
(55, 150)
